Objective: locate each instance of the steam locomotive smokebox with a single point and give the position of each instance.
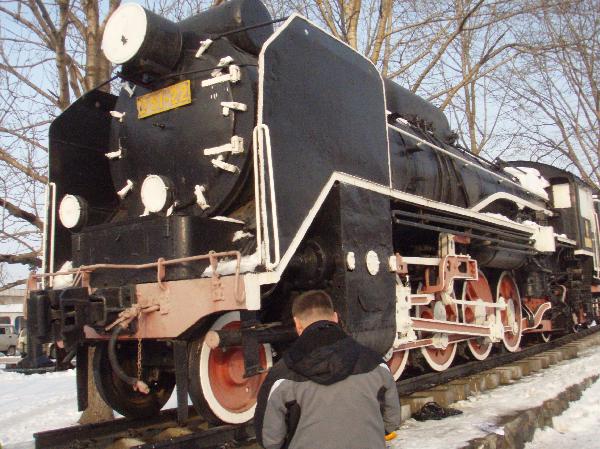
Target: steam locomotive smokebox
(145, 43)
(230, 16)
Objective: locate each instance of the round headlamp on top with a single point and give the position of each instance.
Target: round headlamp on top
(157, 193)
(145, 43)
(73, 212)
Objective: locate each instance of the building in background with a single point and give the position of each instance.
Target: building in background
(11, 307)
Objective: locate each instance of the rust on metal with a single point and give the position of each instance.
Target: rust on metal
(217, 287)
(189, 300)
(161, 272)
(81, 272)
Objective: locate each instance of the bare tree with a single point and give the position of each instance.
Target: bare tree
(558, 89)
(49, 55)
(454, 53)
(450, 52)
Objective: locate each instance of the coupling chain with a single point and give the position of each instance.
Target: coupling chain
(139, 347)
(139, 359)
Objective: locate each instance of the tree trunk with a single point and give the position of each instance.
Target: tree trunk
(97, 410)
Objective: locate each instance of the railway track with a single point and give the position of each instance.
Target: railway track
(163, 432)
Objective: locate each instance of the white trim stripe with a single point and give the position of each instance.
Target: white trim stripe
(263, 165)
(264, 246)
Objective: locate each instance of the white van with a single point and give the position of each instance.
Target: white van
(8, 339)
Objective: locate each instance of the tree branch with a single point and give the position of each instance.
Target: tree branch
(16, 211)
(12, 284)
(25, 259)
(4, 156)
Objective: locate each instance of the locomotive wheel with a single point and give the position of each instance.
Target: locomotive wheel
(438, 359)
(397, 363)
(120, 395)
(511, 316)
(479, 292)
(218, 389)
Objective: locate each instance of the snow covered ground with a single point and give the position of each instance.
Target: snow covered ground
(577, 428)
(30, 404)
(482, 412)
(33, 403)
(37, 402)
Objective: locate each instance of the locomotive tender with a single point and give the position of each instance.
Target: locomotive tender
(238, 167)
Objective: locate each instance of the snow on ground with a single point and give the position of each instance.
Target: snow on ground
(38, 402)
(481, 412)
(33, 403)
(578, 427)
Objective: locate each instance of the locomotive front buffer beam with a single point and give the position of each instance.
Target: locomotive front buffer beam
(63, 315)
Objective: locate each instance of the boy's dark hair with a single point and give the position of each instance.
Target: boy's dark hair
(315, 302)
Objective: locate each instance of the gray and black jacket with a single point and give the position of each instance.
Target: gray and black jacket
(327, 392)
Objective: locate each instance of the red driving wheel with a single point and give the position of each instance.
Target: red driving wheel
(218, 388)
(479, 292)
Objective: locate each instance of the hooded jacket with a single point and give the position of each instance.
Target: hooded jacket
(327, 392)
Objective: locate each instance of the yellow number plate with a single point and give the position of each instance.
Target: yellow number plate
(164, 99)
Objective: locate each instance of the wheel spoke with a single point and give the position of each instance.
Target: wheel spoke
(438, 359)
(511, 316)
(479, 292)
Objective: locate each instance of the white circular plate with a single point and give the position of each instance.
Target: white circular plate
(372, 260)
(124, 33)
(154, 193)
(70, 211)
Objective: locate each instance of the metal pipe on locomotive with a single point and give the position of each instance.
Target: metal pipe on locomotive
(238, 167)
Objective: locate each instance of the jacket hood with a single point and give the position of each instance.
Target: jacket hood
(326, 355)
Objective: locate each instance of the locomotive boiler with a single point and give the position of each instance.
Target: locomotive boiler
(239, 166)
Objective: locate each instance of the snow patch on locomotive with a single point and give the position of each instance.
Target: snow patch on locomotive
(531, 179)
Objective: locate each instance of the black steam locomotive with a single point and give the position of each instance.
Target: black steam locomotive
(238, 167)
